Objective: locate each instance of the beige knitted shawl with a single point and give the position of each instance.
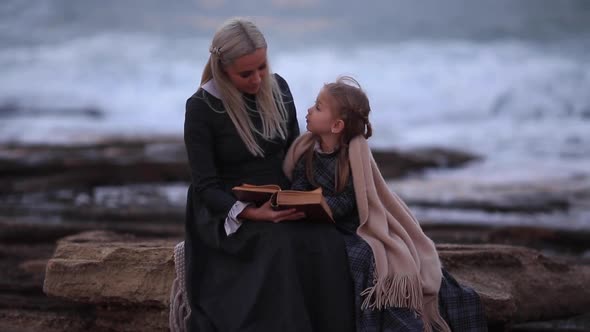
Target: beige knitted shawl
(407, 267)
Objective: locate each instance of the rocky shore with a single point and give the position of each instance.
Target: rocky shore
(87, 231)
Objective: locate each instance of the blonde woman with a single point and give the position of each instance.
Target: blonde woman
(247, 269)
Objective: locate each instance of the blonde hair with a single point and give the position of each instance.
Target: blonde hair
(235, 38)
(352, 107)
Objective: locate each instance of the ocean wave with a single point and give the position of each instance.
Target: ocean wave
(505, 99)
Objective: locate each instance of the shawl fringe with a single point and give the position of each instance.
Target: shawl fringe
(393, 291)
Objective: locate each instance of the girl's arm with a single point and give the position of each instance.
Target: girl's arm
(299, 178)
(344, 203)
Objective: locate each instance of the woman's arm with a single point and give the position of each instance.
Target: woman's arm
(198, 139)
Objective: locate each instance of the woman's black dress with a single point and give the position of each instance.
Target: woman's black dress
(289, 276)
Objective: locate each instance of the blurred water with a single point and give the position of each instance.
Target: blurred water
(506, 79)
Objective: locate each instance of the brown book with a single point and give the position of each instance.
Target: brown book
(312, 203)
(255, 194)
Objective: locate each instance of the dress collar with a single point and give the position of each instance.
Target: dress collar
(211, 87)
(318, 148)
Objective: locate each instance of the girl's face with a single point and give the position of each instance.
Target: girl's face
(321, 117)
(248, 71)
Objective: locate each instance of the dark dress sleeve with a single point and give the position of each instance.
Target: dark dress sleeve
(342, 204)
(299, 178)
(199, 143)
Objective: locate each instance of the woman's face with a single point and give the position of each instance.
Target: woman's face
(247, 72)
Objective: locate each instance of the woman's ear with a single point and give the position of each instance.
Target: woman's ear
(337, 126)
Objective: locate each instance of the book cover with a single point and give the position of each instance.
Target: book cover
(256, 194)
(312, 202)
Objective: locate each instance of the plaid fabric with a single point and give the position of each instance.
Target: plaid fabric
(459, 305)
(342, 204)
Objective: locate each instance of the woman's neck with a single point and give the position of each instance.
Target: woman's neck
(329, 143)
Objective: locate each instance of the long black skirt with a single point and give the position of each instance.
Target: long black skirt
(290, 276)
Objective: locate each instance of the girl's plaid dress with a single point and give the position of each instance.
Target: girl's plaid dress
(460, 306)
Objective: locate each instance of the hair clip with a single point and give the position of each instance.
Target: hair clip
(215, 50)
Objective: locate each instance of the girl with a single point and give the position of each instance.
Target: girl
(398, 280)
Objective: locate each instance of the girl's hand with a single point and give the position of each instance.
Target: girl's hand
(266, 213)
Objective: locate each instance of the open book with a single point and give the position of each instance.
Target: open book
(312, 203)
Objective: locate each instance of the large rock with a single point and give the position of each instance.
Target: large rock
(23, 305)
(395, 163)
(135, 275)
(102, 267)
(30, 168)
(518, 284)
(148, 202)
(25, 249)
(125, 279)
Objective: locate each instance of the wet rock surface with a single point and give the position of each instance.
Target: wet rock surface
(41, 168)
(132, 273)
(135, 190)
(562, 203)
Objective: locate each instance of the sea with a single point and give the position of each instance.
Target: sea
(505, 79)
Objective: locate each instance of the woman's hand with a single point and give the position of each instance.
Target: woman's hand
(266, 213)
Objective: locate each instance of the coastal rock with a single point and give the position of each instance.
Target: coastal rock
(518, 284)
(468, 197)
(43, 167)
(395, 163)
(147, 202)
(26, 247)
(570, 245)
(12, 110)
(28, 168)
(23, 305)
(120, 271)
(104, 267)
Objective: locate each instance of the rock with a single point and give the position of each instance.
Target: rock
(12, 110)
(23, 305)
(34, 266)
(108, 269)
(394, 163)
(519, 284)
(26, 247)
(27, 168)
(45, 234)
(130, 318)
(142, 202)
(575, 324)
(466, 197)
(571, 245)
(478, 195)
(22, 320)
(43, 167)
(129, 279)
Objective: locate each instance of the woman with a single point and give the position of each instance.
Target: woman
(247, 270)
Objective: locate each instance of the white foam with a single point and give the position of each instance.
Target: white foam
(509, 100)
